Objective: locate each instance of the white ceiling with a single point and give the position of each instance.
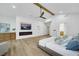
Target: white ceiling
(65, 8)
(29, 9)
(20, 10)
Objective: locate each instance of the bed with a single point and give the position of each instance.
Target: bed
(50, 46)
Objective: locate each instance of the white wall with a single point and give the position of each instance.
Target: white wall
(38, 27)
(71, 24)
(11, 21)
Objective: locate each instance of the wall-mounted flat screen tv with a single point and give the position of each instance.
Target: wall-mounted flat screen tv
(25, 26)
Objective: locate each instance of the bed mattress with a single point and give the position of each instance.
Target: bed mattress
(50, 44)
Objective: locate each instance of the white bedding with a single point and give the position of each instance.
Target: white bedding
(50, 44)
(44, 41)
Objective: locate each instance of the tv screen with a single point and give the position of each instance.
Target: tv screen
(25, 26)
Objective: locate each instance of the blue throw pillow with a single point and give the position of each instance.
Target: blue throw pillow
(73, 45)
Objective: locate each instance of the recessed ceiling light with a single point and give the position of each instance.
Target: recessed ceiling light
(13, 6)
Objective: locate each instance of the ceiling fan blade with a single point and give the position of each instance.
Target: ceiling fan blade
(43, 17)
(42, 14)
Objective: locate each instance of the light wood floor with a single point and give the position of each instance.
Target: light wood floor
(26, 47)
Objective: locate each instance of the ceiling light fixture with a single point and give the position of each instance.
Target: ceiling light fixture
(13, 6)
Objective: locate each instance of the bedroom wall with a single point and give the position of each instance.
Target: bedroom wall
(71, 24)
(9, 20)
(38, 27)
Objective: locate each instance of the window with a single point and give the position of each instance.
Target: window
(62, 30)
(61, 27)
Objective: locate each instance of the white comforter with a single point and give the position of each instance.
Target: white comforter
(60, 49)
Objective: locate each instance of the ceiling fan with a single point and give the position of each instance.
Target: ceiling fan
(41, 14)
